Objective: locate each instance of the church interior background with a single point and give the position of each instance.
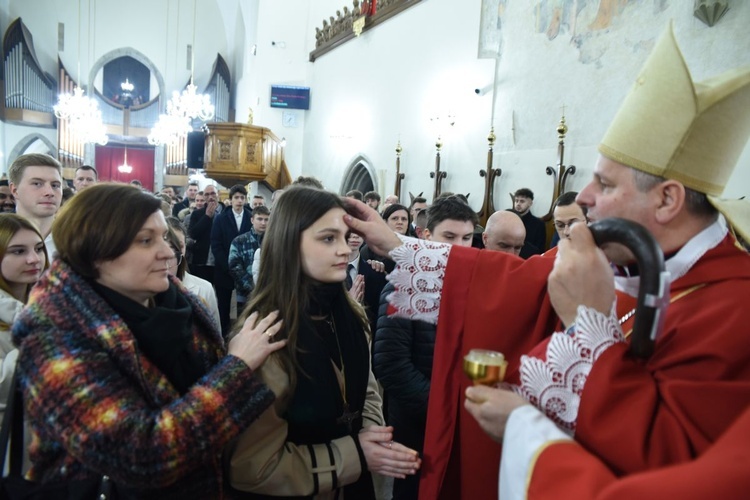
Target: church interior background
(479, 97)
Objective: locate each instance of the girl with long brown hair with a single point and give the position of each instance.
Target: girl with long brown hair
(324, 434)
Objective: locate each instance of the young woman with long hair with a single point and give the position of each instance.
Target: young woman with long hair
(323, 435)
(23, 259)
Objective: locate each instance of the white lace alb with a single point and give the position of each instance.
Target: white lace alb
(418, 278)
(555, 385)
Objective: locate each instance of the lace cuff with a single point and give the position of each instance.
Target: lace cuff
(555, 384)
(418, 278)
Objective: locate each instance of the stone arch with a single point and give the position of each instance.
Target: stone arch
(359, 174)
(131, 52)
(32, 143)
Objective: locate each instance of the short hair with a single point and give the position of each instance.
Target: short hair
(4, 182)
(525, 193)
(261, 210)
(193, 183)
(100, 223)
(10, 224)
(89, 167)
(696, 202)
(417, 199)
(136, 182)
(451, 207)
(259, 197)
(237, 188)
(17, 168)
(356, 194)
(567, 199)
(372, 195)
(308, 181)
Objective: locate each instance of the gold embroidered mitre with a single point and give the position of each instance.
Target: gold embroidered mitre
(671, 127)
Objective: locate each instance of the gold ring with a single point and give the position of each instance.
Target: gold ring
(269, 334)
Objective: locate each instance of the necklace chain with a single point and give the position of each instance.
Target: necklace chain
(332, 324)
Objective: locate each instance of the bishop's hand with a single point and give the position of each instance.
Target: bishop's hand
(366, 222)
(581, 276)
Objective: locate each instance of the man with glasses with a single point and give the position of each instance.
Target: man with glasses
(567, 212)
(199, 230)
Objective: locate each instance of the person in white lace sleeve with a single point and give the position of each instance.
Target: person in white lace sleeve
(664, 161)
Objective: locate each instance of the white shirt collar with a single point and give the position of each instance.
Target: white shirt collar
(684, 259)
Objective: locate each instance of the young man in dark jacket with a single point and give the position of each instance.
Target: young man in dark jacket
(403, 349)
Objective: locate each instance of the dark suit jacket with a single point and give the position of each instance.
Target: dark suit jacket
(180, 206)
(200, 232)
(374, 283)
(223, 232)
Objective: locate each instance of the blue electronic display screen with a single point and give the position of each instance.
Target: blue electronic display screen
(287, 97)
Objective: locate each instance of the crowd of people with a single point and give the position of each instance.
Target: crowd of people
(312, 347)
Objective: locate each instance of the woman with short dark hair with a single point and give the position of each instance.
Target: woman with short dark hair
(124, 374)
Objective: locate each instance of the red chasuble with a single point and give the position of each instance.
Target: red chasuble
(491, 300)
(568, 471)
(633, 415)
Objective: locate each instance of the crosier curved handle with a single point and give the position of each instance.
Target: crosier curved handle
(653, 294)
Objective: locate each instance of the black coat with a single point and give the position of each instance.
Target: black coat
(374, 283)
(223, 232)
(402, 362)
(200, 231)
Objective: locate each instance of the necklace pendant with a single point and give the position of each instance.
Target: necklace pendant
(347, 417)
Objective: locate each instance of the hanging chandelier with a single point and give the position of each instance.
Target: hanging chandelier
(125, 168)
(80, 111)
(83, 116)
(169, 129)
(89, 128)
(70, 106)
(183, 107)
(126, 86)
(190, 104)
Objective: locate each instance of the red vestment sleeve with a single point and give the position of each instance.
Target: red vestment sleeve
(491, 300)
(638, 415)
(568, 471)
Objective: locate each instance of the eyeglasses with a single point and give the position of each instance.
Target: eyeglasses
(560, 225)
(174, 261)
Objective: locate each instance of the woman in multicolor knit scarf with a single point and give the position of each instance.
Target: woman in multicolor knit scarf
(124, 372)
(324, 435)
